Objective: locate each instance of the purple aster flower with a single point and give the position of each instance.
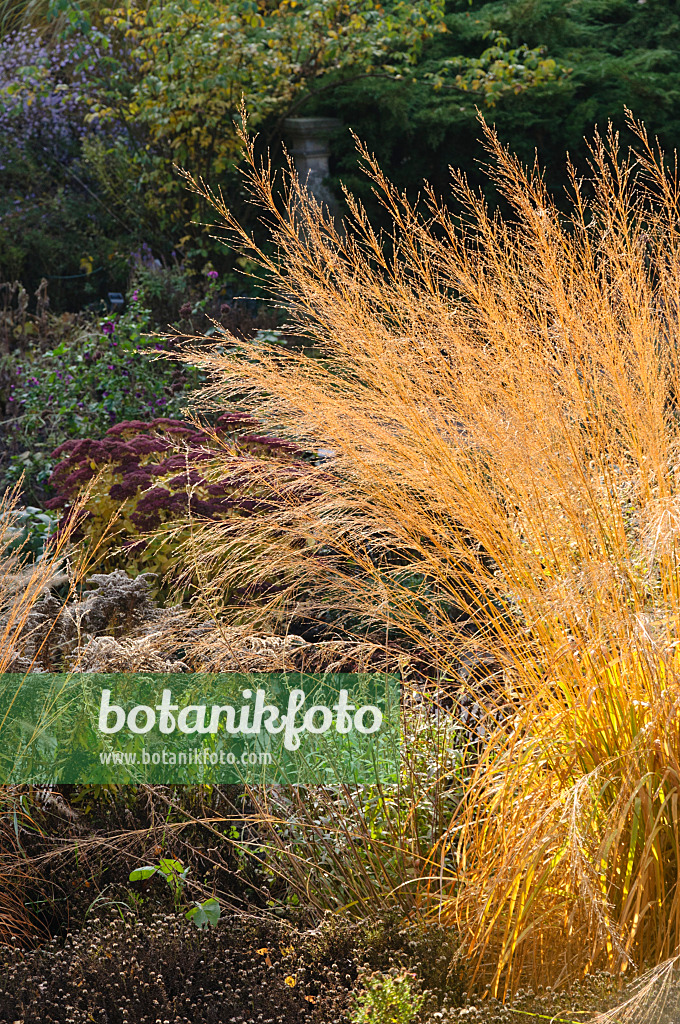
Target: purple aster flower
(108, 327)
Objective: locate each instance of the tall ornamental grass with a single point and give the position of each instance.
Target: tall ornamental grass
(499, 398)
(24, 583)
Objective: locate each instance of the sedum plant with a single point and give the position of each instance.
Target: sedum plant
(148, 482)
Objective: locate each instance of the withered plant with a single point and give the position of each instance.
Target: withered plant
(25, 583)
(497, 400)
(24, 586)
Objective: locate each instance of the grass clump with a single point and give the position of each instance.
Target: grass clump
(499, 396)
(25, 583)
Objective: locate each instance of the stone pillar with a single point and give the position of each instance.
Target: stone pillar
(307, 139)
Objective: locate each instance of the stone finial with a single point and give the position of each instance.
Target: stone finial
(307, 139)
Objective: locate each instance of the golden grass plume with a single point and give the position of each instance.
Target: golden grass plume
(500, 395)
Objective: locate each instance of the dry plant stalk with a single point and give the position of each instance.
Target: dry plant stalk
(501, 397)
(22, 585)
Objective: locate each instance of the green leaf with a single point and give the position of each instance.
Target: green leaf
(139, 874)
(205, 914)
(169, 866)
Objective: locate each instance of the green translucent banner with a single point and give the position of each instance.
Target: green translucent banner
(228, 728)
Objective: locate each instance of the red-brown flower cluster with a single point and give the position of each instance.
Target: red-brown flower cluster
(137, 454)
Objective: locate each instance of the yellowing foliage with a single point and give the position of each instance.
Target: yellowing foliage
(196, 59)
